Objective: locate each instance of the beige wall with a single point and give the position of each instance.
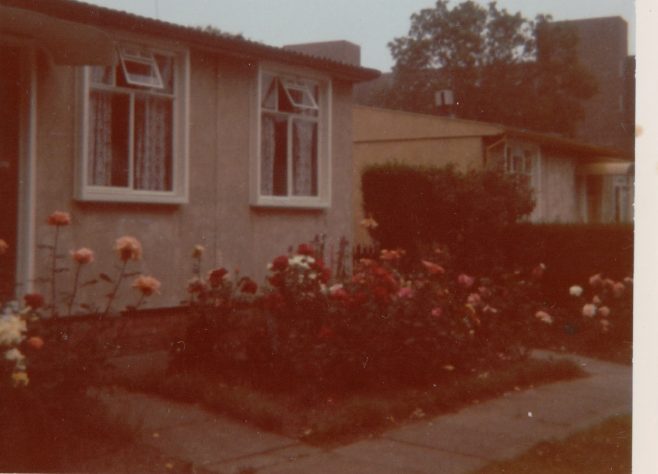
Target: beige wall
(218, 214)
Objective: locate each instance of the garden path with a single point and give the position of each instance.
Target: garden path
(176, 437)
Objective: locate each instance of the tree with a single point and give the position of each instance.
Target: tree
(502, 67)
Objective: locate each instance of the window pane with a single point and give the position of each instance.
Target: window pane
(102, 74)
(109, 115)
(274, 163)
(305, 158)
(153, 143)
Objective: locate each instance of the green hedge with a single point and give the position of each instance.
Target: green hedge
(417, 207)
(475, 216)
(571, 252)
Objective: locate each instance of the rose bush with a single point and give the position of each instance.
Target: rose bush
(382, 324)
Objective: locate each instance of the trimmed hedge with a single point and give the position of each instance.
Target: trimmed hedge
(417, 207)
(571, 252)
(475, 216)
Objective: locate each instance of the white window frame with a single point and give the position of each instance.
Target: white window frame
(85, 191)
(511, 149)
(289, 74)
(144, 56)
(535, 174)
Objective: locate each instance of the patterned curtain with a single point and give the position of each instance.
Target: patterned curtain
(152, 143)
(268, 149)
(100, 139)
(303, 157)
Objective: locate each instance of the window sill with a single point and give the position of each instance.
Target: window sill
(290, 203)
(123, 196)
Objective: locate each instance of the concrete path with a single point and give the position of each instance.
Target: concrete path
(184, 438)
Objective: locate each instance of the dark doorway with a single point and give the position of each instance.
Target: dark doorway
(9, 159)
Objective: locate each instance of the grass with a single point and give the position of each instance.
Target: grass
(329, 419)
(604, 448)
(46, 431)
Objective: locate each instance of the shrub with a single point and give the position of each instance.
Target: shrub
(572, 252)
(416, 207)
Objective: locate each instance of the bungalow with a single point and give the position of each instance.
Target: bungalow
(174, 135)
(572, 181)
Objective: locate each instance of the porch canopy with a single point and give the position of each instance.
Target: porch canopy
(607, 168)
(65, 42)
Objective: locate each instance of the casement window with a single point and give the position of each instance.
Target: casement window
(293, 133)
(523, 161)
(133, 140)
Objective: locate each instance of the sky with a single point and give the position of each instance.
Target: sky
(369, 23)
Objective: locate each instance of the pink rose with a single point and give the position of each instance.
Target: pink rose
(604, 311)
(59, 218)
(474, 299)
(405, 292)
(618, 289)
(35, 342)
(544, 317)
(596, 280)
(589, 310)
(82, 255)
(465, 281)
(147, 285)
(128, 248)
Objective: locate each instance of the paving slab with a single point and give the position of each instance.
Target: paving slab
(147, 412)
(409, 457)
(266, 459)
(333, 463)
(212, 442)
(491, 438)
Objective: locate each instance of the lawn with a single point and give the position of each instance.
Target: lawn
(329, 418)
(603, 448)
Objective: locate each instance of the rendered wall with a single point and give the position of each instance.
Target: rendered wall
(218, 215)
(559, 191)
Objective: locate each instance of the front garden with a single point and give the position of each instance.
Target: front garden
(327, 349)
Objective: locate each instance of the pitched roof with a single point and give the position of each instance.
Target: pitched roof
(223, 43)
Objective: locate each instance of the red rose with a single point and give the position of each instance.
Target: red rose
(306, 249)
(277, 280)
(34, 300)
(216, 277)
(280, 263)
(248, 286)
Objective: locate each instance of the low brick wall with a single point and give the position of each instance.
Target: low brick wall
(135, 342)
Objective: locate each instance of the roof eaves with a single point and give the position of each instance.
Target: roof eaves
(233, 45)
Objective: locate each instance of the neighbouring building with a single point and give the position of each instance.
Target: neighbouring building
(174, 135)
(572, 181)
(609, 116)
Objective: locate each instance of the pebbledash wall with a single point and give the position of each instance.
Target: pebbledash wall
(218, 215)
